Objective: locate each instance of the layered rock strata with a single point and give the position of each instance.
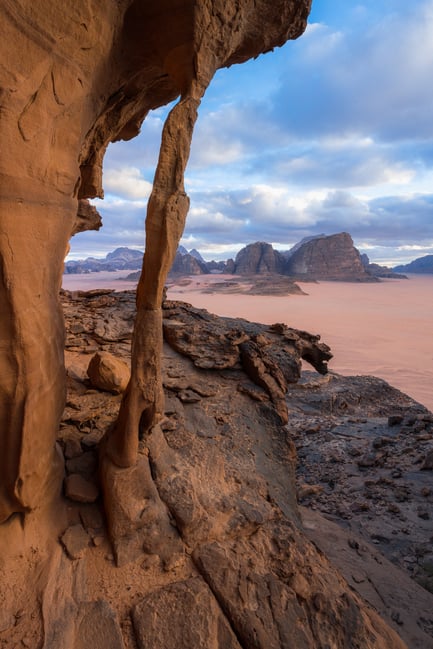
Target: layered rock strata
(331, 257)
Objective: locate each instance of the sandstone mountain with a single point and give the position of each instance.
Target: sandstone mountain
(258, 258)
(331, 257)
(188, 264)
(422, 265)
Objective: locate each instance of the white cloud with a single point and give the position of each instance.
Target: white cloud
(126, 182)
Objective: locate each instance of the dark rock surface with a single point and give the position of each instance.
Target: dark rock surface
(331, 257)
(188, 264)
(258, 258)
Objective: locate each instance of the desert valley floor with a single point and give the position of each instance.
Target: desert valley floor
(383, 329)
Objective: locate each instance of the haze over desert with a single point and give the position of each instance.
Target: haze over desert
(383, 329)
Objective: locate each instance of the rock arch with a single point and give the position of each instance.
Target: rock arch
(75, 77)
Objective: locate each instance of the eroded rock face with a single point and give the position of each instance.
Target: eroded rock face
(258, 258)
(328, 258)
(75, 78)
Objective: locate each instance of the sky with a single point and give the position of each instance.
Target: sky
(332, 132)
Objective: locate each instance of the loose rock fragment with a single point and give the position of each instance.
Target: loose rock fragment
(107, 372)
(75, 541)
(79, 489)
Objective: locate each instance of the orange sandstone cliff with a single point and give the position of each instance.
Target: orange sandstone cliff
(75, 76)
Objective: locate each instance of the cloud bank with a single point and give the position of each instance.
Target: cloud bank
(332, 132)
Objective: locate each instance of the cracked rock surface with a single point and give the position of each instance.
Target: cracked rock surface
(212, 533)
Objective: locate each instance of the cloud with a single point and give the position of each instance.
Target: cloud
(352, 80)
(126, 182)
(331, 132)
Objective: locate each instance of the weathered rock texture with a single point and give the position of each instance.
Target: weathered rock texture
(260, 258)
(73, 79)
(328, 258)
(187, 264)
(216, 556)
(205, 502)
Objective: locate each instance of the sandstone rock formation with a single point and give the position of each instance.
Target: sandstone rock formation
(331, 257)
(73, 80)
(187, 264)
(259, 258)
(223, 465)
(204, 494)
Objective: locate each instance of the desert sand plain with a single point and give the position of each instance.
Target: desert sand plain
(384, 329)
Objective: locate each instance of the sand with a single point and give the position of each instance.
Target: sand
(383, 329)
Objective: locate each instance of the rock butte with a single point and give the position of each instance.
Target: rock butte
(75, 77)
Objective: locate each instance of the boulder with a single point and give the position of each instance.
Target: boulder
(106, 372)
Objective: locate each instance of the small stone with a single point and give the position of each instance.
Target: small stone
(91, 517)
(307, 490)
(395, 617)
(91, 440)
(189, 396)
(72, 448)
(394, 420)
(79, 489)
(75, 541)
(426, 492)
(396, 473)
(85, 464)
(379, 442)
(358, 577)
(423, 513)
(428, 462)
(311, 430)
(97, 540)
(367, 460)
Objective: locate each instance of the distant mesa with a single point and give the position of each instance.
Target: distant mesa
(422, 265)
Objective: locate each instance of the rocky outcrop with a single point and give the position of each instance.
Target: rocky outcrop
(88, 218)
(75, 78)
(258, 258)
(328, 258)
(187, 264)
(212, 533)
(380, 271)
(423, 265)
(190, 491)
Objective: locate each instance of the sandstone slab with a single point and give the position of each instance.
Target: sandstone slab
(181, 616)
